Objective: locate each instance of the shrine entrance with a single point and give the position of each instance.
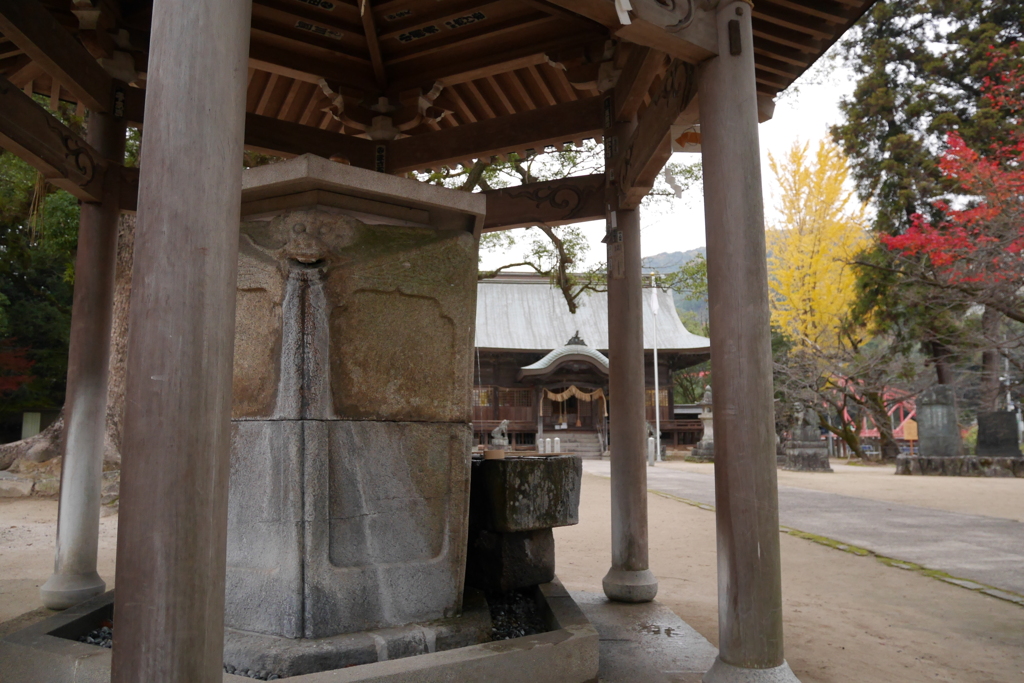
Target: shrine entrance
(571, 407)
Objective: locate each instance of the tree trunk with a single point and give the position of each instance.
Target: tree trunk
(989, 390)
(887, 445)
(940, 359)
(848, 434)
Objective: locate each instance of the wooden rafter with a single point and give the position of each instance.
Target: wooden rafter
(373, 44)
(34, 30)
(529, 130)
(292, 139)
(491, 54)
(503, 73)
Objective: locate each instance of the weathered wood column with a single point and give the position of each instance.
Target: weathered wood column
(746, 494)
(78, 521)
(172, 534)
(629, 579)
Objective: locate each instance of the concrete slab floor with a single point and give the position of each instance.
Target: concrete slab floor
(645, 643)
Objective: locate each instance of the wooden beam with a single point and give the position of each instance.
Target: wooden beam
(694, 44)
(33, 134)
(556, 202)
(642, 157)
(284, 138)
(640, 70)
(33, 29)
(311, 65)
(488, 55)
(373, 44)
(601, 11)
(529, 130)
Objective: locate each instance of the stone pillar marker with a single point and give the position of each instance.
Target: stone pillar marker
(630, 578)
(746, 491)
(704, 451)
(74, 573)
(172, 534)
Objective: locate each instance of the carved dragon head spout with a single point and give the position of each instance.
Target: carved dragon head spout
(308, 237)
(306, 244)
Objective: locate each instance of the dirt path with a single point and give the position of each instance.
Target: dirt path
(848, 619)
(28, 531)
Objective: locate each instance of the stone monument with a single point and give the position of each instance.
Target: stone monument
(998, 453)
(805, 451)
(704, 451)
(351, 442)
(997, 435)
(941, 449)
(937, 427)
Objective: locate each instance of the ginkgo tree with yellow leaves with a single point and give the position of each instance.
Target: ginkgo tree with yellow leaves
(823, 357)
(821, 227)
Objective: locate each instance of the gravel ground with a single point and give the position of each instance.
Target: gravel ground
(515, 614)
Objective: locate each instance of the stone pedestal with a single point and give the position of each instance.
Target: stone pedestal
(937, 426)
(806, 452)
(998, 453)
(515, 503)
(350, 450)
(704, 451)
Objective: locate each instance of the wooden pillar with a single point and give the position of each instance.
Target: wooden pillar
(172, 534)
(629, 579)
(78, 521)
(746, 494)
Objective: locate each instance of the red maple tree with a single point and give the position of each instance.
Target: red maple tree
(976, 249)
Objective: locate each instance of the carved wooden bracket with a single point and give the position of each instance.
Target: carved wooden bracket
(556, 202)
(33, 134)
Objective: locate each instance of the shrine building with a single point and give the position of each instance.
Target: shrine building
(545, 370)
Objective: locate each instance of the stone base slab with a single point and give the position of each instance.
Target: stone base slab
(245, 650)
(960, 466)
(645, 642)
(47, 652)
(802, 458)
(704, 451)
(623, 585)
(721, 672)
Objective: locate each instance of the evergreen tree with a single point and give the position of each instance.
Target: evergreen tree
(920, 66)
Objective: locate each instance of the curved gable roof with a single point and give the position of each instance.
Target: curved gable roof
(531, 315)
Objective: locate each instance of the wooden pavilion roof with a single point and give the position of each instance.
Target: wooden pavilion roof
(458, 79)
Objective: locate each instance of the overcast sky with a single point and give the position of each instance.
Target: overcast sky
(803, 115)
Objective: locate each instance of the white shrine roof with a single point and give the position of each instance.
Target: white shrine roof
(525, 313)
(570, 350)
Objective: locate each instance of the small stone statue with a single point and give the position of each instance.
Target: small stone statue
(499, 435)
(804, 450)
(705, 400)
(804, 417)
